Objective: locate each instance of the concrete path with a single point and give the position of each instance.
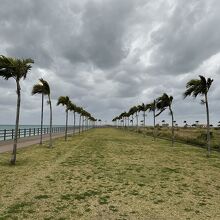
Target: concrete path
(6, 146)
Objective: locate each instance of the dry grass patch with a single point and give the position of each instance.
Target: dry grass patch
(110, 174)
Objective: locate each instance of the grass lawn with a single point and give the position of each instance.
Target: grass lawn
(196, 136)
(110, 174)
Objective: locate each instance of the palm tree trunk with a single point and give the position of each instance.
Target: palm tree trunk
(66, 125)
(42, 118)
(82, 123)
(13, 158)
(171, 112)
(74, 124)
(208, 126)
(144, 122)
(50, 144)
(79, 123)
(137, 120)
(154, 125)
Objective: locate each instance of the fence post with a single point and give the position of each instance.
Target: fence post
(12, 134)
(19, 132)
(25, 132)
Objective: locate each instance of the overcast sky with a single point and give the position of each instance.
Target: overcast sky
(108, 55)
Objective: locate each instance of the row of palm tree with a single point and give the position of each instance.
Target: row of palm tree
(87, 118)
(18, 69)
(194, 87)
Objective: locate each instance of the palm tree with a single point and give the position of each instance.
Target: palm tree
(152, 108)
(83, 113)
(164, 102)
(65, 101)
(17, 69)
(201, 87)
(73, 108)
(46, 88)
(128, 119)
(100, 121)
(136, 115)
(79, 110)
(122, 116)
(39, 88)
(143, 108)
(134, 110)
(131, 113)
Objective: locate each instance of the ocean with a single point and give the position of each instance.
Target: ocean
(9, 127)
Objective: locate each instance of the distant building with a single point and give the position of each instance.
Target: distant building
(201, 126)
(165, 125)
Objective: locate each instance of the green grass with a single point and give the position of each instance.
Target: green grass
(110, 174)
(194, 136)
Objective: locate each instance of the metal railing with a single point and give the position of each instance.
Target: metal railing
(8, 134)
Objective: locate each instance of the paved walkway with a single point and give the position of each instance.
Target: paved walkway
(6, 146)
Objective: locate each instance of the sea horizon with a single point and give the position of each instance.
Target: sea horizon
(23, 126)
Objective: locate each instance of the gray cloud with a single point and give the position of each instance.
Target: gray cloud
(110, 55)
(187, 38)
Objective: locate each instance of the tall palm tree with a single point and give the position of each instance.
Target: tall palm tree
(201, 87)
(143, 108)
(128, 119)
(40, 88)
(73, 108)
(164, 102)
(79, 110)
(115, 121)
(65, 101)
(152, 108)
(46, 87)
(135, 111)
(83, 113)
(131, 112)
(17, 69)
(122, 116)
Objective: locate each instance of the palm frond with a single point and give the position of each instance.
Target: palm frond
(13, 67)
(197, 87)
(37, 89)
(46, 86)
(63, 100)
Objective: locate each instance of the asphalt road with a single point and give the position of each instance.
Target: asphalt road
(6, 146)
